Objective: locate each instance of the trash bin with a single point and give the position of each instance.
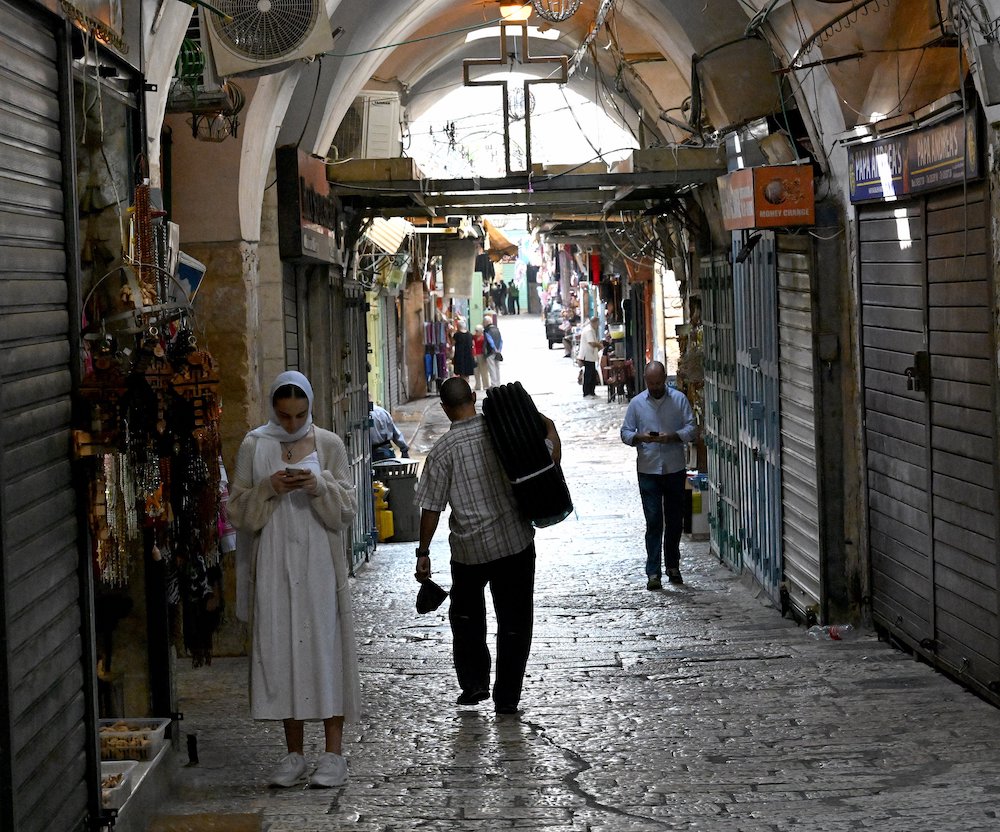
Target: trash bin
(400, 477)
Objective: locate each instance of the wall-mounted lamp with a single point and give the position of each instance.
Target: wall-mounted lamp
(748, 246)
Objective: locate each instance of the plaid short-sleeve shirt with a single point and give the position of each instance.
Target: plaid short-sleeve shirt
(463, 471)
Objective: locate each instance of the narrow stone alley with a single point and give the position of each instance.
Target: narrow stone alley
(692, 708)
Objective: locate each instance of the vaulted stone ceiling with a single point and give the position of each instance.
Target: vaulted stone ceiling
(883, 56)
(855, 60)
(642, 52)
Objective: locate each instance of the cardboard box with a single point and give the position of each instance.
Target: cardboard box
(373, 170)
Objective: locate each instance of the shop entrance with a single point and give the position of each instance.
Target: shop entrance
(930, 416)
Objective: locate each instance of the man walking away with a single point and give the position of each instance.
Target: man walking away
(494, 349)
(658, 423)
(491, 543)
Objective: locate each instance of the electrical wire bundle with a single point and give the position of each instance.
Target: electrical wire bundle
(518, 435)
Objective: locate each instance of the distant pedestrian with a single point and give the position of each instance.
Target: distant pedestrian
(588, 354)
(501, 297)
(494, 349)
(479, 354)
(513, 298)
(491, 543)
(463, 361)
(292, 497)
(658, 423)
(383, 432)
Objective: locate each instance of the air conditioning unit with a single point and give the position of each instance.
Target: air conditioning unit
(264, 36)
(369, 129)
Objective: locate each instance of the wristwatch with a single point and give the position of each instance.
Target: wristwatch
(423, 553)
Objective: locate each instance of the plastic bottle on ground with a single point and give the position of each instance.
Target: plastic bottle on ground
(831, 632)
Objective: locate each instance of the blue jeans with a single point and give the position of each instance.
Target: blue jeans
(663, 504)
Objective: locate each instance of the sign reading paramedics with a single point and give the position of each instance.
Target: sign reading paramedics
(767, 197)
(924, 160)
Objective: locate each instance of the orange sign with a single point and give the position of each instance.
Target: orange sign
(767, 197)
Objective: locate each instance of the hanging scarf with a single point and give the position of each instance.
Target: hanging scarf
(272, 429)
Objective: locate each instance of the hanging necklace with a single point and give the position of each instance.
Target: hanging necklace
(287, 446)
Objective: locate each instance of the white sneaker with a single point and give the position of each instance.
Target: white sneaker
(291, 770)
(331, 772)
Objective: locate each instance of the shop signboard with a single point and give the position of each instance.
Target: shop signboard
(767, 197)
(934, 157)
(309, 215)
(113, 23)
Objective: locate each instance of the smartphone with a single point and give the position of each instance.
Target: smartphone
(295, 472)
(654, 433)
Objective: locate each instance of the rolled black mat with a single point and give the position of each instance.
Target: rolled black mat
(518, 435)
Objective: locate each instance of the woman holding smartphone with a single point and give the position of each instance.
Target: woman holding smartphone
(292, 496)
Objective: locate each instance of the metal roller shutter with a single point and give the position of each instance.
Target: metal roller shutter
(930, 411)
(392, 345)
(290, 315)
(43, 742)
(799, 478)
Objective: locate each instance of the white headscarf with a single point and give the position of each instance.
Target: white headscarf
(272, 429)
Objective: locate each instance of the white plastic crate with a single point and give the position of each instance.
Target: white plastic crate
(116, 783)
(131, 738)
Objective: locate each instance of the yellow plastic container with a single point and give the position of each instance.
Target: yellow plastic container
(383, 517)
(383, 522)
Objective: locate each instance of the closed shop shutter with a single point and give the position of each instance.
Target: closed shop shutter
(393, 352)
(43, 738)
(721, 420)
(756, 337)
(799, 480)
(290, 315)
(930, 413)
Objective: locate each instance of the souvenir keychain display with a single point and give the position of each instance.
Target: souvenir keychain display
(151, 432)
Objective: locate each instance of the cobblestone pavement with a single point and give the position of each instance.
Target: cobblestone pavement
(694, 708)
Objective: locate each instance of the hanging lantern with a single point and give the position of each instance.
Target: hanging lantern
(556, 11)
(216, 121)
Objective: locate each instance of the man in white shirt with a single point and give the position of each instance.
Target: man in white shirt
(589, 353)
(659, 423)
(493, 347)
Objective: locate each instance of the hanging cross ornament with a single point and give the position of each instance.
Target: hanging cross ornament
(470, 65)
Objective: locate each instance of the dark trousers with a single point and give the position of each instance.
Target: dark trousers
(380, 452)
(512, 585)
(663, 504)
(589, 378)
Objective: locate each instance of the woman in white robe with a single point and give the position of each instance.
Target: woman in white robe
(291, 498)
